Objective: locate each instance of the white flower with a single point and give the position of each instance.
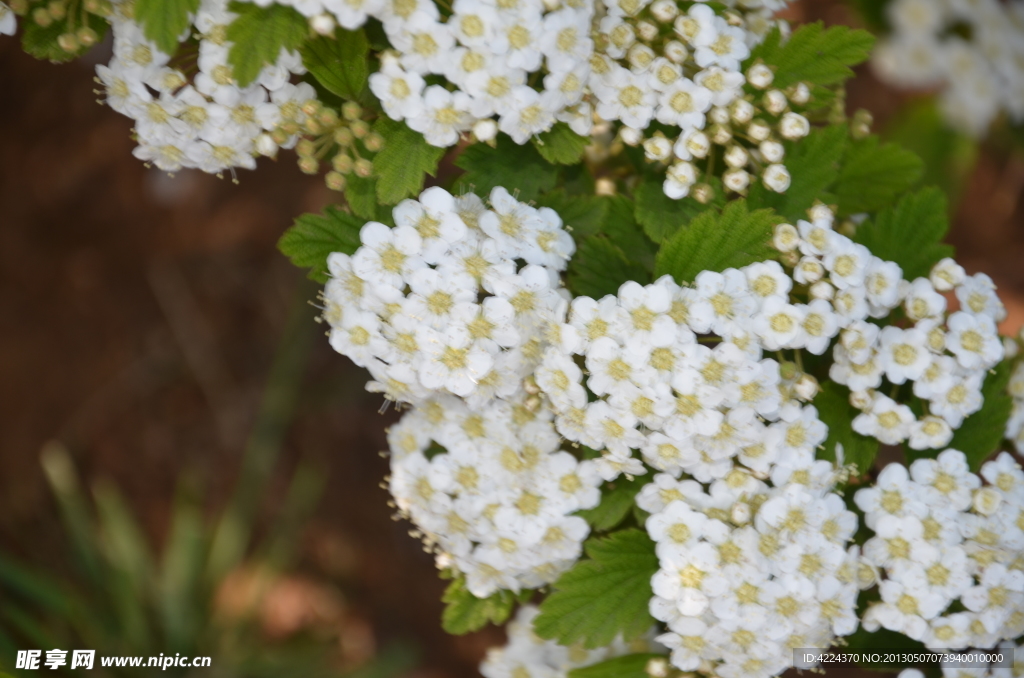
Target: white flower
(399, 92)
(443, 117)
(886, 420)
(974, 340)
(977, 294)
(623, 95)
(946, 275)
(683, 104)
(903, 353)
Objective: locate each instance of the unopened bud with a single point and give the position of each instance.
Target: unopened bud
(736, 156)
(788, 370)
(604, 186)
(806, 388)
(309, 165)
(373, 142)
(862, 400)
(311, 107)
(799, 94)
(41, 17)
(335, 181)
(822, 290)
(786, 238)
(351, 111)
(265, 145)
(342, 163)
(1010, 348)
(760, 76)
(703, 193)
(736, 180)
(741, 111)
(719, 115)
(720, 134)
(363, 168)
(68, 42)
(328, 118)
(279, 136)
(359, 129)
(485, 130)
(19, 7)
(740, 513)
(758, 130)
(656, 668)
(322, 24)
(343, 136)
(87, 37)
(631, 136)
(775, 102)
(313, 126)
(305, 147)
(57, 9)
(530, 385)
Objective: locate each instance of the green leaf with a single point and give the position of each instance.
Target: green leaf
(813, 164)
(465, 613)
(910, 232)
(604, 595)
(814, 54)
(599, 267)
(560, 145)
(626, 666)
(361, 196)
(520, 169)
(258, 34)
(405, 160)
(873, 175)
(717, 241)
(42, 42)
(164, 21)
(835, 410)
(616, 504)
(621, 226)
(982, 432)
(339, 62)
(582, 215)
(660, 215)
(313, 237)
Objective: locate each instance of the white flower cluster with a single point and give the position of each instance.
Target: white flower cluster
(1015, 425)
(206, 121)
(495, 503)
(942, 537)
(748, 572)
(528, 656)
(972, 48)
(945, 357)
(8, 21)
(438, 304)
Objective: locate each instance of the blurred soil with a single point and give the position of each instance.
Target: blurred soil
(139, 316)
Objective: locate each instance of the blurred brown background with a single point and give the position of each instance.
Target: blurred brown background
(140, 314)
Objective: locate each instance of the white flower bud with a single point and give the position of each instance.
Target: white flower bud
(987, 500)
(809, 270)
(820, 211)
(721, 134)
(647, 31)
(759, 131)
(1010, 348)
(867, 574)
(946, 275)
(322, 24)
(641, 56)
(683, 173)
(265, 145)
(736, 156)
(657, 148)
(695, 144)
(485, 130)
(806, 388)
(794, 126)
(776, 177)
(736, 180)
(665, 11)
(740, 513)
(719, 115)
(760, 76)
(604, 186)
(800, 94)
(862, 400)
(772, 151)
(786, 238)
(822, 290)
(742, 111)
(676, 52)
(775, 102)
(631, 136)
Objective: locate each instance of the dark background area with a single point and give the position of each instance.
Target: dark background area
(140, 314)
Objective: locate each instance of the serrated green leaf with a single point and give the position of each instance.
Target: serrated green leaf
(404, 162)
(164, 21)
(910, 233)
(660, 215)
(465, 613)
(604, 595)
(517, 168)
(314, 237)
(257, 35)
(813, 164)
(361, 196)
(339, 62)
(42, 42)
(873, 175)
(616, 503)
(813, 54)
(626, 666)
(582, 215)
(717, 241)
(982, 432)
(560, 145)
(599, 267)
(834, 409)
(622, 228)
